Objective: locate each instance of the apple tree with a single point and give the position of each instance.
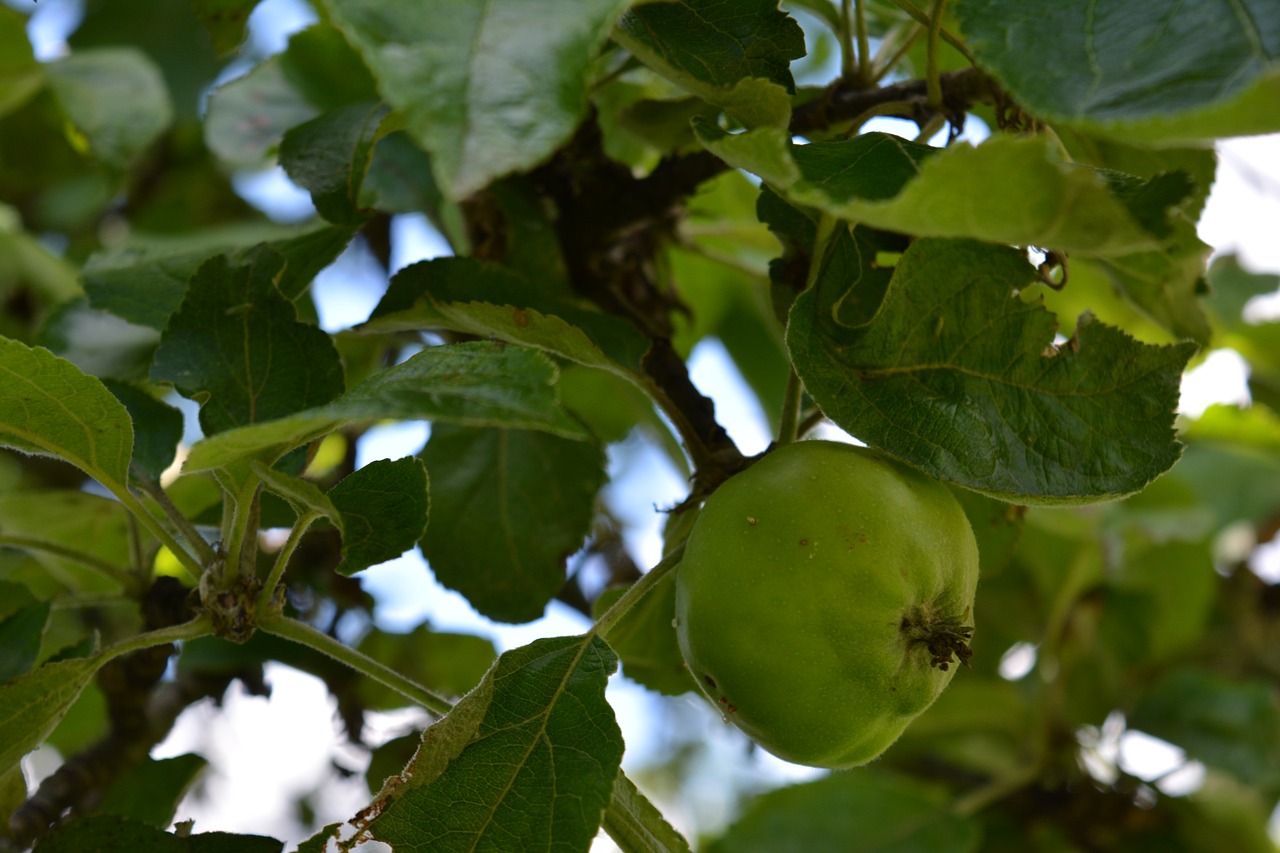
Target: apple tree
(962, 233)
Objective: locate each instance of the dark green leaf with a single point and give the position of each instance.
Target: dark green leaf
(32, 704)
(478, 383)
(157, 429)
(1161, 71)
(399, 179)
(235, 345)
(115, 99)
(448, 664)
(145, 278)
(150, 791)
(50, 408)
(734, 55)
(384, 511)
(20, 636)
(326, 69)
(114, 834)
(508, 508)
(468, 296)
(856, 812)
(958, 377)
(482, 103)
(330, 155)
(1231, 725)
(528, 759)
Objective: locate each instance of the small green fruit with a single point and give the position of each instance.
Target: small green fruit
(822, 594)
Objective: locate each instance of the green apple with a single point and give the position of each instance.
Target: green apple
(823, 599)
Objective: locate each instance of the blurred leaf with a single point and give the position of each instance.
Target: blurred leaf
(1231, 725)
(145, 278)
(930, 378)
(645, 638)
(248, 116)
(100, 343)
(20, 636)
(399, 179)
(151, 791)
(53, 409)
(32, 279)
(850, 812)
(734, 55)
(1231, 287)
(1175, 584)
(446, 663)
(20, 74)
(33, 703)
(330, 155)
(384, 511)
(1163, 72)
(326, 69)
(226, 21)
(509, 507)
(530, 754)
(1222, 815)
(485, 299)
(997, 526)
(114, 99)
(236, 347)
(479, 383)
(1006, 190)
(157, 429)
(114, 834)
(482, 103)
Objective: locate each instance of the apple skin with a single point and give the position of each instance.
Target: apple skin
(821, 594)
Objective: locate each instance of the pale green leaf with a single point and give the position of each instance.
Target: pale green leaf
(1006, 190)
(960, 377)
(472, 383)
(531, 754)
(734, 55)
(635, 824)
(49, 407)
(1160, 71)
(115, 99)
(248, 116)
(32, 704)
(487, 87)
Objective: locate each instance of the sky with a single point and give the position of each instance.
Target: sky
(264, 754)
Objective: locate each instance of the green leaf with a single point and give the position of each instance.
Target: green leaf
(302, 495)
(32, 704)
(1006, 190)
(466, 295)
(21, 76)
(226, 21)
(856, 812)
(961, 379)
(114, 834)
(531, 754)
(157, 429)
(248, 116)
(482, 102)
(151, 791)
(1165, 71)
(330, 155)
(20, 636)
(145, 278)
(734, 55)
(477, 383)
(384, 511)
(509, 507)
(235, 345)
(1232, 286)
(646, 641)
(326, 69)
(446, 663)
(636, 825)
(115, 101)
(1231, 725)
(50, 408)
